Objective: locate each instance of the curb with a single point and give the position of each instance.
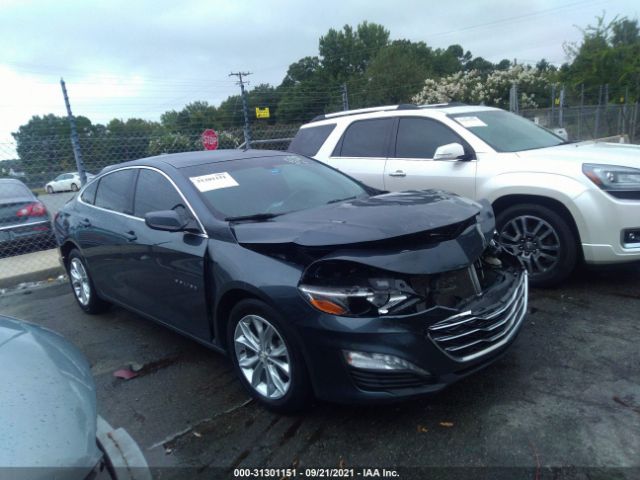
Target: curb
(36, 276)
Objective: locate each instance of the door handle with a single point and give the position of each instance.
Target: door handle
(85, 222)
(398, 173)
(130, 235)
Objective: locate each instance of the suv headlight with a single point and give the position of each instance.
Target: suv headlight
(620, 182)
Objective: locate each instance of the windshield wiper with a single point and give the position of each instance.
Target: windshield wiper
(338, 200)
(255, 217)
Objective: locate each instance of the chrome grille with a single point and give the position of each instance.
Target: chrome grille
(466, 336)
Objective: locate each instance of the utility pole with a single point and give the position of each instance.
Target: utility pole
(75, 143)
(561, 108)
(245, 109)
(345, 97)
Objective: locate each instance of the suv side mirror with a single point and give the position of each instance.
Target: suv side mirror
(451, 151)
(166, 220)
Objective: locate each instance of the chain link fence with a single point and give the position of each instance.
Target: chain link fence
(41, 171)
(590, 122)
(38, 176)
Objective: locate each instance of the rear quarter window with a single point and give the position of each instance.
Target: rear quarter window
(89, 193)
(309, 140)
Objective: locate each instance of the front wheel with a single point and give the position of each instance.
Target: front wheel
(541, 239)
(49, 189)
(82, 285)
(266, 357)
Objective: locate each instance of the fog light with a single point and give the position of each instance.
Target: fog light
(631, 237)
(380, 361)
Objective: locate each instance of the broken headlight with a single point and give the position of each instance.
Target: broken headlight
(355, 291)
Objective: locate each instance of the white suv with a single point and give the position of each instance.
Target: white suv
(555, 202)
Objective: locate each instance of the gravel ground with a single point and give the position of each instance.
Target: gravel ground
(563, 403)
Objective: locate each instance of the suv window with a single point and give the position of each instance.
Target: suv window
(419, 137)
(309, 140)
(89, 193)
(366, 138)
(114, 191)
(154, 192)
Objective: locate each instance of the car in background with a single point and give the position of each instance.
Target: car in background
(25, 223)
(312, 283)
(50, 426)
(556, 202)
(66, 182)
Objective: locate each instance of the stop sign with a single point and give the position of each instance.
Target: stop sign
(209, 139)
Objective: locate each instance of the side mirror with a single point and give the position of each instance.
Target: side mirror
(451, 151)
(166, 220)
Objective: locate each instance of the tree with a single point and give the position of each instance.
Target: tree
(493, 89)
(44, 145)
(348, 52)
(397, 72)
(608, 54)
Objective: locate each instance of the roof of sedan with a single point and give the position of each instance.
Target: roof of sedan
(187, 159)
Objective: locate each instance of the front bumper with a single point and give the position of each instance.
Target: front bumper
(448, 347)
(604, 220)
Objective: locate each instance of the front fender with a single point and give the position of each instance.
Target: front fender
(561, 188)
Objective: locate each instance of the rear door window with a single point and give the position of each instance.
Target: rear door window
(420, 137)
(309, 140)
(366, 138)
(115, 191)
(154, 192)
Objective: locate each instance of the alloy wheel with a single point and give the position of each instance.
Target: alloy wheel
(534, 240)
(80, 281)
(263, 357)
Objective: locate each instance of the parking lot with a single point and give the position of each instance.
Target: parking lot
(566, 395)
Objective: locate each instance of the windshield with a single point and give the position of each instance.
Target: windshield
(505, 131)
(269, 185)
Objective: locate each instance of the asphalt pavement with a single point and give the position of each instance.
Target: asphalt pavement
(563, 403)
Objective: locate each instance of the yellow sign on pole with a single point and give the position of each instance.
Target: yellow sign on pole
(262, 112)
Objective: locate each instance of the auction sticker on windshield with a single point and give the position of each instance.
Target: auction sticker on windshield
(213, 181)
(470, 122)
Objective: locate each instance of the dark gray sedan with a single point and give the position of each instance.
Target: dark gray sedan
(25, 223)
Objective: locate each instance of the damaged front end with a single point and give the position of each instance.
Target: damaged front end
(472, 292)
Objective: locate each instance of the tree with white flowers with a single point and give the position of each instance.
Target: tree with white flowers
(472, 87)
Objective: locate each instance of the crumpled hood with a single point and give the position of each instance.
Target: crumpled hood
(362, 220)
(48, 401)
(590, 152)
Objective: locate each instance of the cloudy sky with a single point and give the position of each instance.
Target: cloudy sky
(140, 58)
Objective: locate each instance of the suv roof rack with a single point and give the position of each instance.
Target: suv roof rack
(385, 108)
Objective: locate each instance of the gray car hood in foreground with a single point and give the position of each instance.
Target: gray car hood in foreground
(361, 220)
(47, 403)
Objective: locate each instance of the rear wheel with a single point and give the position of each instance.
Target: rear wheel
(74, 187)
(541, 239)
(82, 285)
(266, 357)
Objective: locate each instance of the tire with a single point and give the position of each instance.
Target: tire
(82, 286)
(49, 190)
(284, 393)
(542, 239)
(74, 187)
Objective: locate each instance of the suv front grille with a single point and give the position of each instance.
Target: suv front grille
(466, 336)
